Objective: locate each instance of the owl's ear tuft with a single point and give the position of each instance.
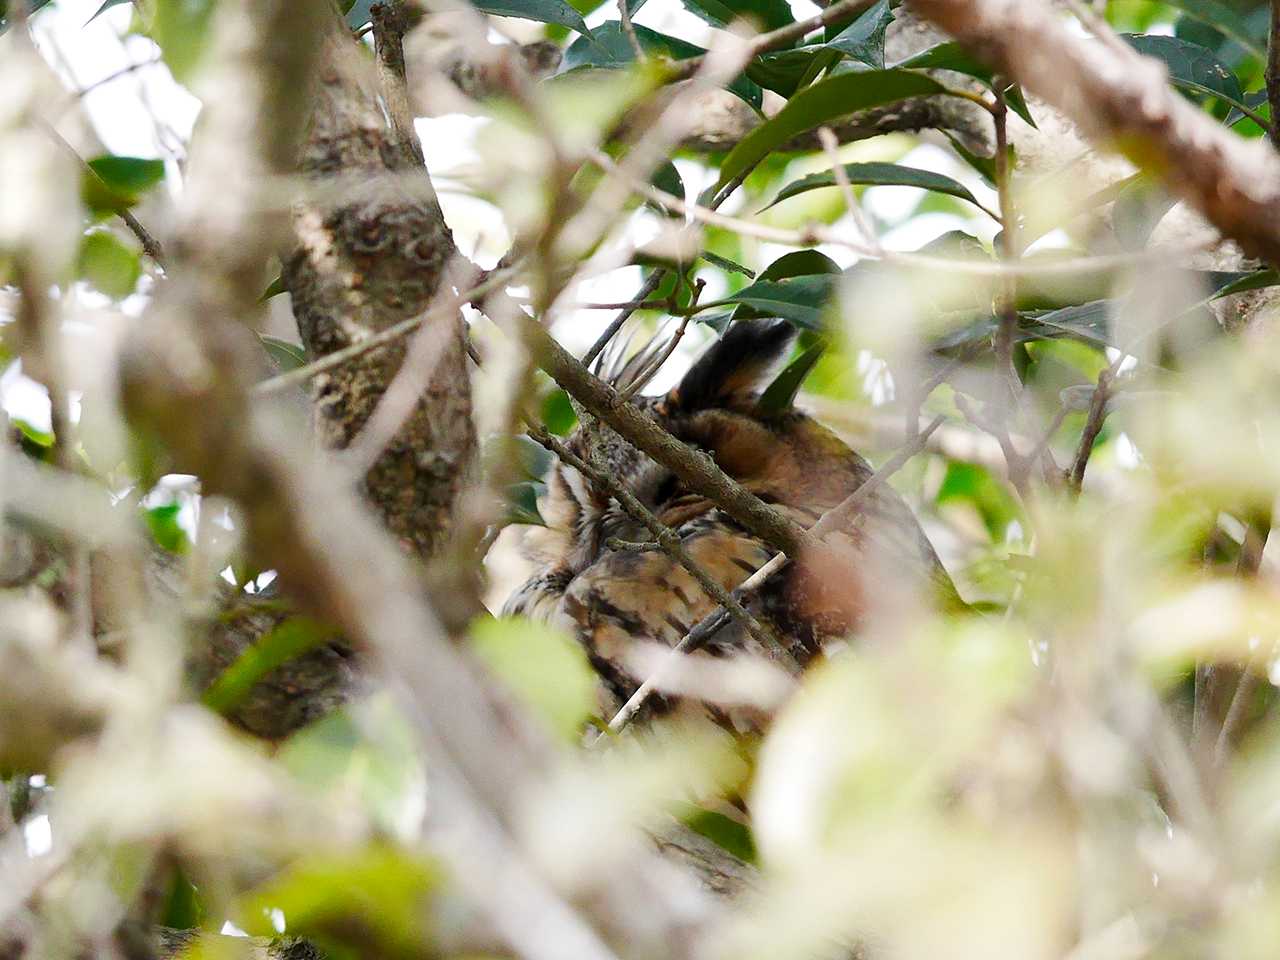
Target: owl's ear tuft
(733, 368)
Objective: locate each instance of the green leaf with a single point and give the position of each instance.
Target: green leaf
(986, 166)
(1191, 66)
(781, 394)
(785, 71)
(285, 356)
(724, 263)
(183, 908)
(535, 459)
(825, 100)
(543, 11)
(182, 29)
(727, 834)
(1269, 277)
(975, 484)
(879, 174)
(108, 264)
(166, 532)
(802, 300)
(863, 40)
(373, 900)
(118, 182)
(31, 434)
(284, 642)
(952, 56)
(274, 289)
(1225, 20)
(763, 14)
(799, 263)
(522, 503)
(558, 414)
(666, 178)
(1088, 321)
(106, 5)
(609, 48)
(544, 667)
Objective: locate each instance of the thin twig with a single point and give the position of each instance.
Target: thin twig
(381, 339)
(666, 538)
(815, 233)
(628, 28)
(831, 147)
(150, 245)
(712, 622)
(651, 284)
(118, 74)
(1093, 424)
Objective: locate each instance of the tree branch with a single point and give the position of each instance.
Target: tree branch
(1121, 98)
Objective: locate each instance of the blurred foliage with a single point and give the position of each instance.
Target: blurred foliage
(1083, 764)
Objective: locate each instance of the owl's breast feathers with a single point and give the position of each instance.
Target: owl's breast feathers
(611, 599)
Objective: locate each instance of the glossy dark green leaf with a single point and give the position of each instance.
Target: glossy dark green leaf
(117, 183)
(522, 503)
(284, 642)
(799, 263)
(781, 394)
(785, 71)
(952, 56)
(863, 40)
(1191, 66)
(274, 289)
(543, 11)
(1226, 21)
(1269, 277)
(719, 321)
(820, 103)
(1255, 101)
(609, 48)
(285, 356)
(106, 5)
(108, 264)
(879, 174)
(667, 179)
(762, 14)
(802, 300)
(986, 166)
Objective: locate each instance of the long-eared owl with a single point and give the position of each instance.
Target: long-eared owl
(613, 598)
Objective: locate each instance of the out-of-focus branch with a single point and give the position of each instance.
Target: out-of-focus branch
(1117, 96)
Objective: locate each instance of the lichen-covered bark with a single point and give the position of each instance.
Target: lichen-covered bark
(372, 257)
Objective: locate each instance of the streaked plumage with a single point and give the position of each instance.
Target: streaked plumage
(612, 598)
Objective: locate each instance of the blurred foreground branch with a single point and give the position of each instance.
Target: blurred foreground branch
(1121, 98)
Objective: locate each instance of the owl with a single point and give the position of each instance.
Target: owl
(614, 598)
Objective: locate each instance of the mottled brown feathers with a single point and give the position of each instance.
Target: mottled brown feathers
(612, 599)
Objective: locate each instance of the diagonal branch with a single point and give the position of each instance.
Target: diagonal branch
(1119, 97)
